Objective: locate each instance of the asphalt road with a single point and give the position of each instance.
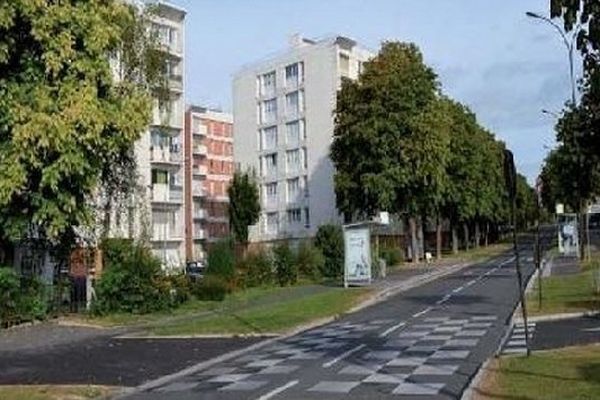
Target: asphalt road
(426, 343)
(567, 332)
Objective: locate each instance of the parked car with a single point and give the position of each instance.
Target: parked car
(195, 270)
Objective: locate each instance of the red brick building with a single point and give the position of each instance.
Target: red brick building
(208, 172)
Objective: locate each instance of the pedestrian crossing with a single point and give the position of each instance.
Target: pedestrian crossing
(516, 343)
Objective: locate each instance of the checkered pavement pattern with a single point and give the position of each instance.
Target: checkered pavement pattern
(417, 360)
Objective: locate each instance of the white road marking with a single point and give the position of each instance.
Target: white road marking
(278, 390)
(458, 289)
(342, 356)
(425, 311)
(502, 264)
(443, 299)
(391, 329)
(474, 281)
(592, 329)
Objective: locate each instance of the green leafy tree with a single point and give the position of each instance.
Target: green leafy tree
(68, 123)
(244, 205)
(385, 129)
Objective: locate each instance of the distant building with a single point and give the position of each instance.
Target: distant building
(208, 172)
(283, 120)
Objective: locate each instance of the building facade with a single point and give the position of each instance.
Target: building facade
(208, 173)
(156, 210)
(283, 120)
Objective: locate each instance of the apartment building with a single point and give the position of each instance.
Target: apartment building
(156, 211)
(283, 120)
(208, 172)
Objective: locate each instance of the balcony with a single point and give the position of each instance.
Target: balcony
(171, 118)
(163, 155)
(199, 129)
(200, 170)
(200, 149)
(199, 234)
(162, 193)
(162, 232)
(176, 82)
(200, 213)
(197, 190)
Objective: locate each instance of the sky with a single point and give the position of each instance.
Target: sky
(505, 66)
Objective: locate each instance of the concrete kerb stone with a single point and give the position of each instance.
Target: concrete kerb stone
(376, 298)
(476, 380)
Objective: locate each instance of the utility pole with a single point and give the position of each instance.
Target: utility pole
(510, 175)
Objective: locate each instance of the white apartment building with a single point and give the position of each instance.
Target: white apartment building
(157, 210)
(283, 127)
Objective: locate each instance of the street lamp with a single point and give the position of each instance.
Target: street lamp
(569, 44)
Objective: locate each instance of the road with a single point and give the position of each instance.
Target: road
(425, 343)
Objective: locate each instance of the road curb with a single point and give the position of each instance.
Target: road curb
(476, 380)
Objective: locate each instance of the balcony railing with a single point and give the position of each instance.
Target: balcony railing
(197, 189)
(199, 233)
(199, 129)
(199, 170)
(200, 213)
(165, 155)
(200, 149)
(161, 193)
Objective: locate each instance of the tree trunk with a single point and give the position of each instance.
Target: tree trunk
(438, 238)
(454, 239)
(466, 235)
(106, 220)
(477, 235)
(487, 234)
(421, 237)
(413, 239)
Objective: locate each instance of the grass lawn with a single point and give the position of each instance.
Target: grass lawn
(271, 317)
(54, 392)
(566, 293)
(571, 373)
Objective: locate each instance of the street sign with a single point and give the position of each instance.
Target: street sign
(357, 255)
(560, 208)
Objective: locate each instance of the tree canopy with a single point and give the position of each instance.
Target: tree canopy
(244, 205)
(73, 101)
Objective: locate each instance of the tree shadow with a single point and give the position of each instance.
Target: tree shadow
(590, 372)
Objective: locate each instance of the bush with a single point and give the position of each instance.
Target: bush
(285, 266)
(211, 288)
(180, 287)
(310, 261)
(9, 295)
(21, 299)
(330, 240)
(132, 282)
(256, 269)
(391, 255)
(221, 261)
(114, 250)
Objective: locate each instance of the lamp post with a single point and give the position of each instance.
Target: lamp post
(569, 45)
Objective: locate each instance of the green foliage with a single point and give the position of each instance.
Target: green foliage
(310, 261)
(9, 294)
(114, 250)
(181, 289)
(256, 269)
(330, 240)
(211, 288)
(286, 269)
(21, 299)
(244, 204)
(391, 255)
(134, 284)
(221, 260)
(67, 124)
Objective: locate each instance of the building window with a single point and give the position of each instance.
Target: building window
(293, 160)
(306, 218)
(269, 111)
(271, 192)
(294, 74)
(159, 177)
(293, 103)
(293, 189)
(270, 161)
(294, 216)
(305, 185)
(272, 221)
(293, 133)
(304, 158)
(344, 64)
(269, 138)
(268, 84)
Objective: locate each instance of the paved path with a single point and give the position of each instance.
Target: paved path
(425, 343)
(567, 332)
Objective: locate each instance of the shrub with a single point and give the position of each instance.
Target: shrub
(330, 240)
(211, 288)
(21, 299)
(180, 288)
(221, 261)
(310, 261)
(256, 269)
(285, 266)
(9, 294)
(132, 282)
(391, 255)
(114, 250)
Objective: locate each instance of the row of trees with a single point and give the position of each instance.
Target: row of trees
(402, 146)
(571, 172)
